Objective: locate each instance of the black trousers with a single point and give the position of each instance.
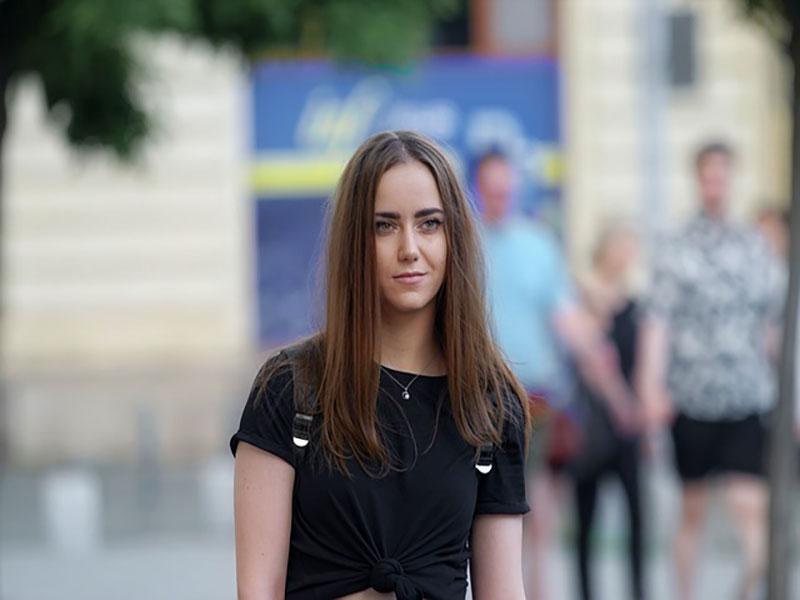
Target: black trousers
(624, 464)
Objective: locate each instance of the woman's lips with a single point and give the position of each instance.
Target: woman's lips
(410, 279)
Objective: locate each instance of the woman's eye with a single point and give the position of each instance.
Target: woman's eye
(431, 224)
(383, 226)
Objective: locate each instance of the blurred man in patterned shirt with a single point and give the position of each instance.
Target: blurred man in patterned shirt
(711, 324)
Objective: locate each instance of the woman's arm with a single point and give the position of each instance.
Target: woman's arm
(496, 563)
(263, 515)
(598, 362)
(651, 371)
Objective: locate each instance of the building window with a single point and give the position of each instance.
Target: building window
(511, 27)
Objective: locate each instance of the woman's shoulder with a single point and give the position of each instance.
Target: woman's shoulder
(268, 414)
(277, 367)
(289, 372)
(272, 388)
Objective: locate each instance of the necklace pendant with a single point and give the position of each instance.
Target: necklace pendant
(406, 395)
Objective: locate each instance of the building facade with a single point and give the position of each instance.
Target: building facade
(129, 293)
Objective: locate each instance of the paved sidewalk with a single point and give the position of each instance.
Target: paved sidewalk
(203, 569)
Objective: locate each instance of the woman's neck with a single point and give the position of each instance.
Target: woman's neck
(408, 343)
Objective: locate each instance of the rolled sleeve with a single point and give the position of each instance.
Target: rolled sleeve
(502, 490)
(266, 420)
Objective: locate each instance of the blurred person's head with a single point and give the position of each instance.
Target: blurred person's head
(773, 223)
(616, 250)
(714, 167)
(495, 184)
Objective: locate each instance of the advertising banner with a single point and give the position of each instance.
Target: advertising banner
(310, 115)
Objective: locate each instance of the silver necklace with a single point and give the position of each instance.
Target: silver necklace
(405, 395)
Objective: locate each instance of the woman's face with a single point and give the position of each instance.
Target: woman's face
(620, 253)
(410, 242)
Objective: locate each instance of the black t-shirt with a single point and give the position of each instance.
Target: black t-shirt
(405, 532)
(624, 333)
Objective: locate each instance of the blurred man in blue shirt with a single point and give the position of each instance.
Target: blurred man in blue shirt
(529, 290)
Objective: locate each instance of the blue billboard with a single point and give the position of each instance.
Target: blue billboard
(310, 115)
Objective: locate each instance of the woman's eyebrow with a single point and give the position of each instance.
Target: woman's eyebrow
(425, 212)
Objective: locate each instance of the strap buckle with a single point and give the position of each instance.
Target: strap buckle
(485, 458)
(301, 429)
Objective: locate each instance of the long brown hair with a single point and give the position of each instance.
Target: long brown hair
(338, 363)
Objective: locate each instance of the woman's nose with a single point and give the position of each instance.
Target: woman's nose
(408, 251)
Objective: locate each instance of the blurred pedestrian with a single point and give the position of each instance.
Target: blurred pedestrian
(773, 223)
(536, 317)
(609, 447)
(705, 366)
(382, 453)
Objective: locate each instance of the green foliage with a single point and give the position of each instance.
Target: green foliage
(774, 6)
(773, 15)
(83, 51)
(383, 30)
(250, 25)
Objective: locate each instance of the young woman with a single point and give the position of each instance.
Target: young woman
(382, 453)
(606, 297)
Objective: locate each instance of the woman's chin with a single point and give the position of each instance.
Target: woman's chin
(408, 307)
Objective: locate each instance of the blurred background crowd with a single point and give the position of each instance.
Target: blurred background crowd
(164, 174)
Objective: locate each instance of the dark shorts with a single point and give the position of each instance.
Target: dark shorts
(707, 448)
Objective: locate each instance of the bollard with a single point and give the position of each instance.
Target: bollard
(72, 501)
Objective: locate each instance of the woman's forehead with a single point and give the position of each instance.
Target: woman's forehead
(407, 188)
